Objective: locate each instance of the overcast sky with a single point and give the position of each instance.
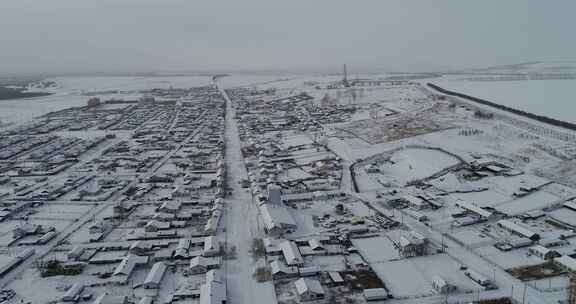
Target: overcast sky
(144, 35)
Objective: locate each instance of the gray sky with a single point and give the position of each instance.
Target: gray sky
(145, 35)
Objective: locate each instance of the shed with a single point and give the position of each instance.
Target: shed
(375, 294)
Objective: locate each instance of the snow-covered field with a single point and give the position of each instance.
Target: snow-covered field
(552, 98)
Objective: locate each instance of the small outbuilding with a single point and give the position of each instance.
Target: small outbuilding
(375, 294)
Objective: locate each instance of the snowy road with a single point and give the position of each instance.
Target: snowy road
(241, 224)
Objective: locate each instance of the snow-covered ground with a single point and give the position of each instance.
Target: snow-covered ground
(460, 137)
(552, 98)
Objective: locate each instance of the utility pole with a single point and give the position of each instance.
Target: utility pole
(345, 79)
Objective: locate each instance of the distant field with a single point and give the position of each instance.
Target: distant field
(9, 93)
(551, 98)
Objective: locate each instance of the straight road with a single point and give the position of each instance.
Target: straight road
(241, 224)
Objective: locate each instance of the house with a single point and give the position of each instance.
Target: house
(291, 254)
(309, 289)
(73, 292)
(200, 264)
(154, 277)
(567, 263)
(214, 290)
(140, 248)
(413, 244)
(518, 229)
(281, 271)
(127, 265)
(182, 250)
(543, 252)
(277, 219)
(211, 246)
